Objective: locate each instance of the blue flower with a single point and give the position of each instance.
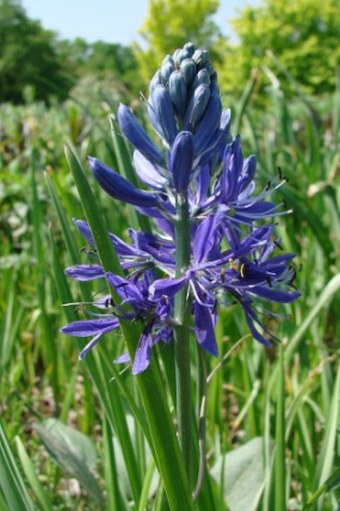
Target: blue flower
(137, 305)
(231, 241)
(243, 272)
(90, 327)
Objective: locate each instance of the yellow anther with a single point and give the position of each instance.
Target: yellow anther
(243, 270)
(233, 265)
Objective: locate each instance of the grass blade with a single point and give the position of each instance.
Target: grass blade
(11, 481)
(280, 463)
(32, 477)
(325, 462)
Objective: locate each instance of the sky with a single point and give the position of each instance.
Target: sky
(114, 21)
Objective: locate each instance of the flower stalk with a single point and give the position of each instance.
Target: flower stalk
(182, 316)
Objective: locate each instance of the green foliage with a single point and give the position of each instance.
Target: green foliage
(298, 37)
(170, 24)
(103, 61)
(40, 374)
(28, 57)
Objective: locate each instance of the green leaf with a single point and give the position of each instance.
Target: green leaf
(243, 475)
(121, 469)
(331, 484)
(73, 451)
(32, 476)
(12, 484)
(329, 441)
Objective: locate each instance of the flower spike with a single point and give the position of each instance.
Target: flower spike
(202, 201)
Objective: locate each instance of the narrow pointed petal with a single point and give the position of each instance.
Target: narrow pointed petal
(275, 295)
(161, 250)
(181, 158)
(232, 168)
(134, 132)
(85, 231)
(254, 332)
(123, 249)
(88, 327)
(248, 172)
(205, 238)
(147, 172)
(256, 210)
(122, 359)
(281, 259)
(204, 329)
(84, 272)
(124, 288)
(167, 287)
(143, 352)
(89, 346)
(118, 188)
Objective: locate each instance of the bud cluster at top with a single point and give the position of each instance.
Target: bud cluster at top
(189, 77)
(184, 96)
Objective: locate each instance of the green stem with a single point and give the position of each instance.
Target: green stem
(182, 331)
(164, 443)
(280, 462)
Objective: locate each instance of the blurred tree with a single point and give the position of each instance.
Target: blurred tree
(172, 23)
(105, 61)
(295, 38)
(28, 57)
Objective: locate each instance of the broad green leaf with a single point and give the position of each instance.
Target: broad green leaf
(73, 451)
(243, 475)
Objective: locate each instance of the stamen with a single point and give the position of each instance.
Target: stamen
(281, 176)
(243, 270)
(278, 244)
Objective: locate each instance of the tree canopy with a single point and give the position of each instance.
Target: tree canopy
(106, 61)
(300, 37)
(28, 56)
(35, 57)
(171, 23)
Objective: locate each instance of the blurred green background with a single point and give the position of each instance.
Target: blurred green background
(279, 74)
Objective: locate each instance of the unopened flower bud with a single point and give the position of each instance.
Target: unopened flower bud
(188, 69)
(178, 91)
(162, 114)
(202, 77)
(156, 80)
(201, 57)
(180, 160)
(166, 70)
(179, 56)
(189, 49)
(197, 106)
